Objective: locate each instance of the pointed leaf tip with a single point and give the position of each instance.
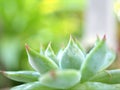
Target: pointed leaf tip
(2, 72)
(72, 56)
(97, 36)
(98, 59)
(22, 76)
(50, 53)
(41, 49)
(104, 37)
(70, 35)
(27, 47)
(49, 44)
(48, 47)
(39, 62)
(71, 41)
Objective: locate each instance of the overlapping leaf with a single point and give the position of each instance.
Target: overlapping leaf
(61, 79)
(39, 62)
(22, 76)
(108, 76)
(98, 59)
(50, 53)
(70, 69)
(72, 56)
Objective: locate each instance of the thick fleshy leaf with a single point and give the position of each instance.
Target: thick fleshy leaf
(81, 48)
(98, 59)
(61, 79)
(50, 53)
(97, 41)
(108, 76)
(72, 56)
(32, 86)
(96, 86)
(41, 50)
(59, 54)
(22, 76)
(39, 62)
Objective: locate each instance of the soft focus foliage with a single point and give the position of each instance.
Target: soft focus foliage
(36, 22)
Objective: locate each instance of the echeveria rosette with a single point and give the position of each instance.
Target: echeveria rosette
(71, 69)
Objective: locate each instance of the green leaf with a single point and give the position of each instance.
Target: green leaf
(98, 59)
(22, 76)
(97, 41)
(61, 79)
(96, 86)
(41, 50)
(50, 53)
(81, 48)
(32, 86)
(108, 76)
(59, 55)
(72, 56)
(39, 62)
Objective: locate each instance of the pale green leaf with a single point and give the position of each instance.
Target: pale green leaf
(39, 62)
(22, 76)
(96, 86)
(98, 59)
(50, 53)
(32, 86)
(61, 79)
(72, 56)
(108, 76)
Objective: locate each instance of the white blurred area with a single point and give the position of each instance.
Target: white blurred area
(100, 20)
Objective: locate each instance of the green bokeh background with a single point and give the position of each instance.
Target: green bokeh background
(36, 22)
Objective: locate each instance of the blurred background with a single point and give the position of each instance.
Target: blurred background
(38, 22)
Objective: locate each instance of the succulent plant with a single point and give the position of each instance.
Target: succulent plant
(70, 69)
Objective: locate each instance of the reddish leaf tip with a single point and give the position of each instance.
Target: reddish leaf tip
(27, 47)
(2, 72)
(104, 37)
(53, 74)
